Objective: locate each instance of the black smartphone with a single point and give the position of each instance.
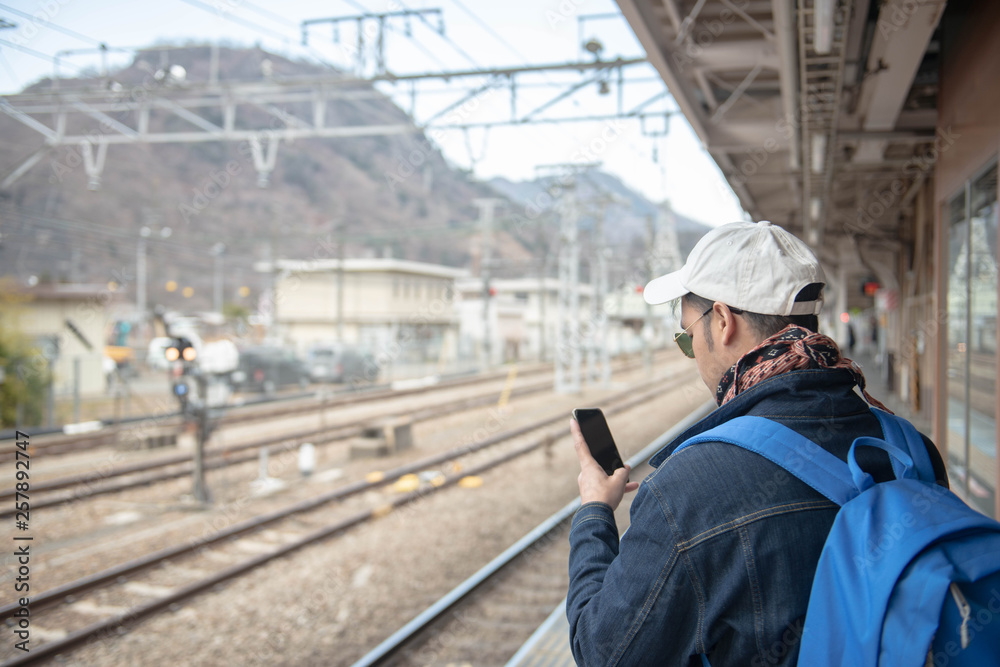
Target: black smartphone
(595, 431)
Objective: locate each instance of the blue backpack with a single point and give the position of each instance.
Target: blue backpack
(909, 575)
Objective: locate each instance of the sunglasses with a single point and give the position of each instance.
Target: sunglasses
(683, 339)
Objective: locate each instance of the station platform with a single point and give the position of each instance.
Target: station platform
(548, 646)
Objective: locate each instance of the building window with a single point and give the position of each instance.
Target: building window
(971, 338)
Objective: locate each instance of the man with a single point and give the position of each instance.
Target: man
(718, 562)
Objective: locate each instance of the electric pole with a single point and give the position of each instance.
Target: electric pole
(200, 491)
(647, 328)
(340, 281)
(664, 256)
(568, 346)
(487, 207)
(217, 250)
(598, 358)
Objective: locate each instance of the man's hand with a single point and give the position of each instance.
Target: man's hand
(595, 484)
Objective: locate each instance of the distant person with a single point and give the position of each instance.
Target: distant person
(723, 544)
(851, 340)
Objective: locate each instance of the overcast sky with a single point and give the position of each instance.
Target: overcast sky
(477, 34)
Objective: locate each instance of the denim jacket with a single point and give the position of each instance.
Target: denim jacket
(723, 544)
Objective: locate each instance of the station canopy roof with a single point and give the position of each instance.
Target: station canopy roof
(813, 109)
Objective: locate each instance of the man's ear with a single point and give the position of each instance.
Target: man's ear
(727, 324)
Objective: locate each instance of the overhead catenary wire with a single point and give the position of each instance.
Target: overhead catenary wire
(50, 24)
(236, 19)
(37, 54)
(260, 29)
(278, 18)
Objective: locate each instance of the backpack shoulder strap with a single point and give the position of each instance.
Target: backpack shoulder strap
(902, 434)
(797, 454)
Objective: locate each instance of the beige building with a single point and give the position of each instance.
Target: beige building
(395, 308)
(68, 324)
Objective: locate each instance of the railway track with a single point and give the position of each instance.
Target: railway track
(110, 434)
(489, 616)
(180, 465)
(105, 481)
(142, 587)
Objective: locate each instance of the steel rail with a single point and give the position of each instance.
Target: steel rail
(109, 432)
(139, 612)
(46, 598)
(423, 620)
(319, 436)
(239, 413)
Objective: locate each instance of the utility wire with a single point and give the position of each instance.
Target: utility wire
(6, 64)
(37, 54)
(54, 26)
(271, 15)
(486, 26)
(445, 37)
(236, 19)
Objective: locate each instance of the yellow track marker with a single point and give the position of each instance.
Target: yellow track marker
(374, 476)
(456, 467)
(507, 387)
(470, 482)
(381, 511)
(439, 480)
(406, 483)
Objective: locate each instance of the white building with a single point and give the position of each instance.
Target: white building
(398, 309)
(524, 319)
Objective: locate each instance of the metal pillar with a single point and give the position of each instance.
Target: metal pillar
(568, 356)
(487, 207)
(598, 358)
(217, 251)
(140, 276)
(647, 327)
(200, 490)
(664, 257)
(340, 282)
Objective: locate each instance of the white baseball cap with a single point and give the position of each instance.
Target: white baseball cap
(758, 267)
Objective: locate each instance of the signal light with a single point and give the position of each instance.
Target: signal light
(870, 285)
(180, 348)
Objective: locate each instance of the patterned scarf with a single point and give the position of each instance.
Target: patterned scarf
(792, 348)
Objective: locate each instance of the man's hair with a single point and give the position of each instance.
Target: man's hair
(763, 325)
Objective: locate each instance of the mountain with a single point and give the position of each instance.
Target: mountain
(627, 212)
(381, 195)
(392, 194)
